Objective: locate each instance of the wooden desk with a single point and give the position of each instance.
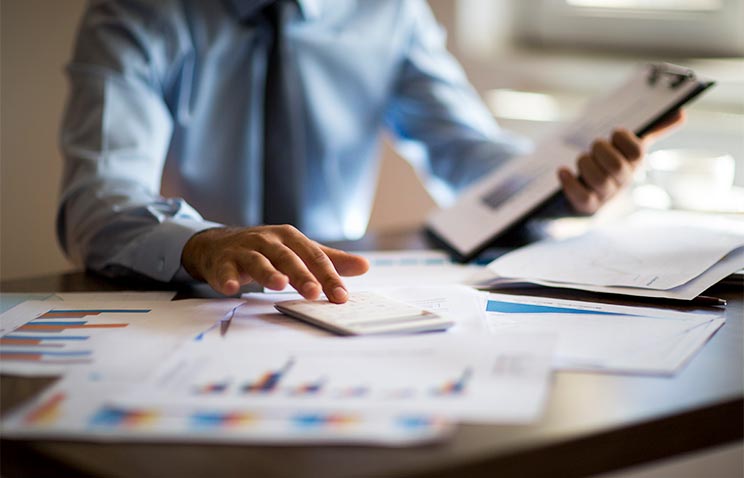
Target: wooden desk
(592, 422)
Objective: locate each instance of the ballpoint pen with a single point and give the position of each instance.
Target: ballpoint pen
(227, 320)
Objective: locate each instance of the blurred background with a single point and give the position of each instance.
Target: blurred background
(533, 61)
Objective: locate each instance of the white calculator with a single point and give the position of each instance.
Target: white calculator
(365, 313)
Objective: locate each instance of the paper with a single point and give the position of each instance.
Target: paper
(391, 269)
(606, 338)
(688, 291)
(258, 317)
(492, 379)
(462, 304)
(634, 252)
(511, 192)
(51, 338)
(77, 408)
(118, 296)
(8, 300)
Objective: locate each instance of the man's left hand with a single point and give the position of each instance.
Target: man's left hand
(609, 166)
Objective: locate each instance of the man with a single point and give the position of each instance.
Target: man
(260, 113)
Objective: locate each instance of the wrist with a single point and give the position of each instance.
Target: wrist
(195, 250)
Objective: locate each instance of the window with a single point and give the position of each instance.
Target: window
(683, 27)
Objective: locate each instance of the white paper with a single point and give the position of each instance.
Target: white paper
(606, 338)
(660, 254)
(118, 296)
(464, 305)
(257, 317)
(687, 291)
(492, 379)
(77, 408)
(392, 269)
(114, 340)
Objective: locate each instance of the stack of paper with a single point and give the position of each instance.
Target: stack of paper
(488, 379)
(45, 338)
(606, 338)
(78, 408)
(270, 380)
(395, 269)
(150, 369)
(648, 254)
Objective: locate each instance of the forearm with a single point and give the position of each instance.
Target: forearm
(117, 234)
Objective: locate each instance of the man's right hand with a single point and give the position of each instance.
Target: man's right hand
(272, 256)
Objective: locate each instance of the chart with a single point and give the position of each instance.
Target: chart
(70, 409)
(57, 337)
(62, 336)
(468, 378)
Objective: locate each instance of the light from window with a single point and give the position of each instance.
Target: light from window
(675, 5)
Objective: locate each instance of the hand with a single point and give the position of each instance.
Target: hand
(609, 166)
(273, 256)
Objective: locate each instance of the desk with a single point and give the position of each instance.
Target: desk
(592, 422)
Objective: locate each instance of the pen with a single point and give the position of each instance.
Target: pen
(227, 320)
(707, 300)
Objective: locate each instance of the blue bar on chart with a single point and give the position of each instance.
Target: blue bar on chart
(269, 381)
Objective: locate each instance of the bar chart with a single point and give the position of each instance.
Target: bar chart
(63, 336)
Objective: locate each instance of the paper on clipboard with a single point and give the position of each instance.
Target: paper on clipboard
(510, 193)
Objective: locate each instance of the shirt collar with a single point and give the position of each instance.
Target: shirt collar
(245, 9)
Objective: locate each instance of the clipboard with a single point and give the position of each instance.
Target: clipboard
(509, 194)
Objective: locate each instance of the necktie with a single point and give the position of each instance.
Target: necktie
(281, 157)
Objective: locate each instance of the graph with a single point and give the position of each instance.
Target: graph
(517, 308)
(221, 420)
(455, 387)
(62, 336)
(48, 411)
(123, 418)
(353, 391)
(309, 388)
(269, 381)
(321, 420)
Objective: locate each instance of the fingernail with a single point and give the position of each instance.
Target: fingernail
(339, 294)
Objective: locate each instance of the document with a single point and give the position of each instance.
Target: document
(606, 338)
(77, 408)
(396, 269)
(513, 191)
(257, 317)
(486, 379)
(644, 252)
(687, 291)
(43, 338)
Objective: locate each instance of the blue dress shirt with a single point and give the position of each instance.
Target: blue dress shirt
(163, 128)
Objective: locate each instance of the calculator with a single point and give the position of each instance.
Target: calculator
(365, 313)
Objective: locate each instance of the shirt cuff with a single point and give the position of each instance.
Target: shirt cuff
(160, 254)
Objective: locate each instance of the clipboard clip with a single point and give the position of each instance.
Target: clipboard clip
(678, 76)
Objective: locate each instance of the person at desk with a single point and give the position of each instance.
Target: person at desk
(259, 114)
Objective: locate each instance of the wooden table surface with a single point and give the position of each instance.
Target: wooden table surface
(592, 422)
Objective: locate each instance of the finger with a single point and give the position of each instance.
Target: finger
(319, 265)
(226, 279)
(346, 264)
(289, 263)
(612, 162)
(581, 198)
(595, 177)
(630, 145)
(261, 270)
(665, 125)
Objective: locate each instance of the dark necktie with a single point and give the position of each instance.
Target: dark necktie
(282, 189)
